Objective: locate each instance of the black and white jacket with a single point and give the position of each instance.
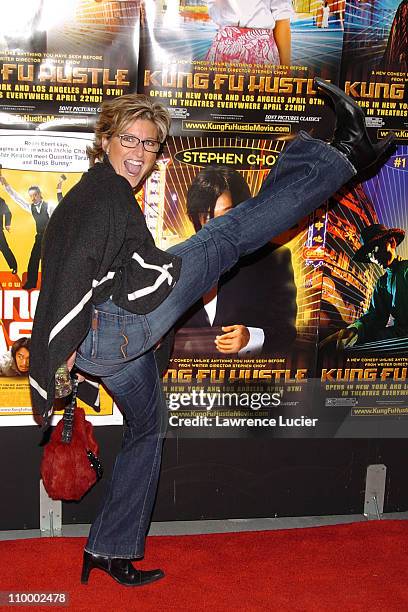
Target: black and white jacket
(96, 245)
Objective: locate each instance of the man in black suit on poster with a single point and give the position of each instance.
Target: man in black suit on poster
(41, 212)
(5, 224)
(252, 310)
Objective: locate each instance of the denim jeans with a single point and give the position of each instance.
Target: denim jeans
(123, 520)
(118, 347)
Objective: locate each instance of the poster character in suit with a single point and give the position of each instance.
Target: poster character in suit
(41, 212)
(387, 315)
(253, 307)
(5, 224)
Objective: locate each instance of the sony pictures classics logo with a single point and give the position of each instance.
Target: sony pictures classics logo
(340, 401)
(178, 113)
(374, 122)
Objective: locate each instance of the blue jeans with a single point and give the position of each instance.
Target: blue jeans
(118, 345)
(120, 527)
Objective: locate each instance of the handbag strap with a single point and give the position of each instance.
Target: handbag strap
(69, 412)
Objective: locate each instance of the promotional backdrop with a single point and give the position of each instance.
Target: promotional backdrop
(234, 105)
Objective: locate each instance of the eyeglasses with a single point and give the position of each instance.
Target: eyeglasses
(131, 142)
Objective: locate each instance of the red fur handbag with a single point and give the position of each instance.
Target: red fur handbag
(70, 465)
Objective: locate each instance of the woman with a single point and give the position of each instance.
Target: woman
(256, 32)
(108, 294)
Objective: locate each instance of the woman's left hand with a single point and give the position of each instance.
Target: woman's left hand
(70, 365)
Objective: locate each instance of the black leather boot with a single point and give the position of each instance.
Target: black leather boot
(350, 134)
(121, 570)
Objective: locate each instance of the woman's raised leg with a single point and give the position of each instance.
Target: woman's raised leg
(306, 174)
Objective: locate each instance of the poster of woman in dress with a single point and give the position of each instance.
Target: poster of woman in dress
(242, 67)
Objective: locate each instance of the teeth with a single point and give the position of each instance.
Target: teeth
(132, 166)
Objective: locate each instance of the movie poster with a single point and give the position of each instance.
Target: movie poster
(243, 355)
(60, 60)
(363, 354)
(375, 64)
(218, 77)
(37, 169)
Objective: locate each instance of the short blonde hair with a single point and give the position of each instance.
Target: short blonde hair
(116, 114)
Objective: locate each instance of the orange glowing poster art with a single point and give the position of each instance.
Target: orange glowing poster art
(362, 376)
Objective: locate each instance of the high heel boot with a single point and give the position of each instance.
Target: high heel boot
(121, 570)
(350, 133)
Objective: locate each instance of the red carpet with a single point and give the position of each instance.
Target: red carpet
(358, 567)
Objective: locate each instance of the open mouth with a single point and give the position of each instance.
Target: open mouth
(133, 167)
